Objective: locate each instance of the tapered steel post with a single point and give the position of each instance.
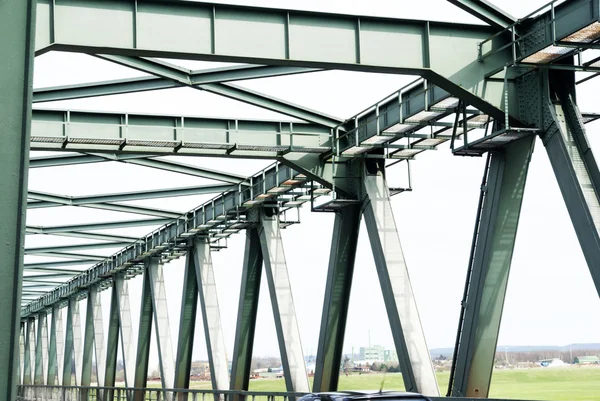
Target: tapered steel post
(41, 350)
(247, 308)
(73, 352)
(575, 168)
(112, 342)
(142, 355)
(492, 254)
(56, 348)
(21, 364)
(187, 325)
(88, 343)
(126, 329)
(161, 323)
(29, 352)
(413, 354)
(209, 303)
(337, 296)
(288, 333)
(17, 34)
(98, 330)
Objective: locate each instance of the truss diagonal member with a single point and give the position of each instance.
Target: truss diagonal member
(162, 328)
(235, 92)
(97, 226)
(141, 160)
(209, 305)
(417, 369)
(284, 311)
(68, 255)
(78, 234)
(486, 12)
(42, 200)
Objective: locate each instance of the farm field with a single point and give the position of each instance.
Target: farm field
(571, 383)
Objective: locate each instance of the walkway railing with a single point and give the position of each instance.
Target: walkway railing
(72, 393)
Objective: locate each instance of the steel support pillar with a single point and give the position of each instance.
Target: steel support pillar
(142, 357)
(98, 328)
(247, 309)
(337, 297)
(112, 342)
(489, 268)
(575, 168)
(17, 34)
(288, 334)
(29, 352)
(209, 304)
(126, 329)
(88, 343)
(162, 327)
(187, 325)
(56, 348)
(413, 354)
(21, 365)
(73, 356)
(41, 350)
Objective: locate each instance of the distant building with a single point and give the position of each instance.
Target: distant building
(587, 360)
(374, 353)
(390, 355)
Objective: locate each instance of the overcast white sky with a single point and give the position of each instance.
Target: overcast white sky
(551, 298)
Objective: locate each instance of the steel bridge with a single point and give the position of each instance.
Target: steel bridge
(485, 89)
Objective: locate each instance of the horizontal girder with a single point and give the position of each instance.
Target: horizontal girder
(96, 132)
(445, 53)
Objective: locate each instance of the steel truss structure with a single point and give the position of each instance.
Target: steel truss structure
(484, 89)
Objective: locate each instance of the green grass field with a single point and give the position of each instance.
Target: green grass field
(577, 384)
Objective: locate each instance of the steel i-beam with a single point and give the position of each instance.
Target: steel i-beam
(161, 322)
(575, 168)
(17, 34)
(56, 348)
(187, 325)
(415, 362)
(337, 297)
(21, 365)
(112, 342)
(88, 343)
(29, 351)
(142, 355)
(209, 303)
(98, 328)
(288, 333)
(247, 309)
(489, 268)
(126, 329)
(73, 359)
(41, 350)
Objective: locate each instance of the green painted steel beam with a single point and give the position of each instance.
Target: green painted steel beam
(337, 298)
(110, 133)
(175, 73)
(490, 267)
(17, 34)
(76, 247)
(46, 266)
(97, 226)
(295, 38)
(125, 196)
(487, 12)
(77, 234)
(68, 255)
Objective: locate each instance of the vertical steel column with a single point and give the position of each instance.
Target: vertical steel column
(209, 303)
(56, 348)
(126, 329)
(142, 358)
(161, 323)
(73, 354)
(413, 354)
(247, 308)
(187, 324)
(575, 168)
(112, 342)
(29, 352)
(98, 328)
(41, 351)
(17, 34)
(21, 365)
(337, 296)
(288, 334)
(492, 254)
(88, 343)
